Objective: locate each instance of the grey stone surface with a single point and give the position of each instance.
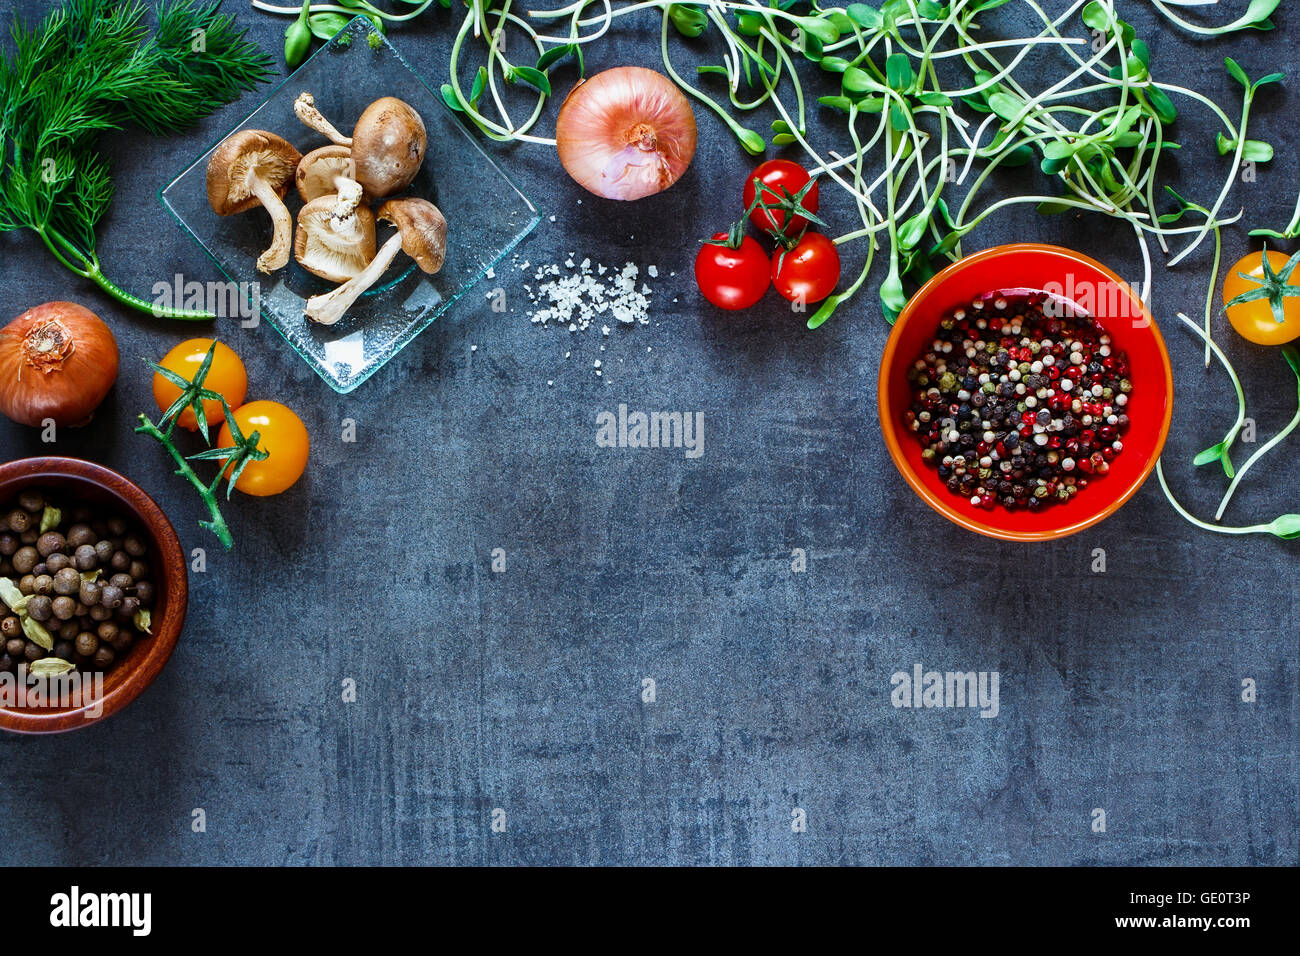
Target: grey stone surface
(521, 690)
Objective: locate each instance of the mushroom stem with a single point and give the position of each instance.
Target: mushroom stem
(304, 107)
(332, 306)
(277, 254)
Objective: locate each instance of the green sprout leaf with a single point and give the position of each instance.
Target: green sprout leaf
(898, 72)
(534, 78)
(865, 16)
(554, 55)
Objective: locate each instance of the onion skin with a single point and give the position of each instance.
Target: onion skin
(626, 133)
(57, 361)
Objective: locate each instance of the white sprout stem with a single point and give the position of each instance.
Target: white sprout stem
(605, 21)
(1195, 27)
(1218, 528)
(1259, 453)
(1232, 375)
(332, 306)
(1147, 275)
(1227, 185)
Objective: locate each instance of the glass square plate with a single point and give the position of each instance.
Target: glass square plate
(483, 223)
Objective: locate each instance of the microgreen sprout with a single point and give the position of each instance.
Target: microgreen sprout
(234, 459)
(1221, 452)
(1185, 206)
(1293, 360)
(1256, 17)
(1285, 526)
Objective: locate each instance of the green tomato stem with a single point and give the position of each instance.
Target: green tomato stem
(217, 525)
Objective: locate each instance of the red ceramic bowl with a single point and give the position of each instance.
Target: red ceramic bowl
(1101, 293)
(95, 484)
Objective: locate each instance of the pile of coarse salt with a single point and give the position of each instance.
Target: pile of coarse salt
(583, 293)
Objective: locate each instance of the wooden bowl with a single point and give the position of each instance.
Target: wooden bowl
(123, 682)
(1126, 318)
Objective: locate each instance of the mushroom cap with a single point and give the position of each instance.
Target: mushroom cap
(250, 151)
(388, 145)
(423, 229)
(321, 249)
(318, 170)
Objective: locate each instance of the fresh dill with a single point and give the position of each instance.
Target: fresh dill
(91, 66)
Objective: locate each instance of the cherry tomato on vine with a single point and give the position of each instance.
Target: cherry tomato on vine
(226, 376)
(1256, 320)
(732, 278)
(808, 272)
(776, 174)
(282, 435)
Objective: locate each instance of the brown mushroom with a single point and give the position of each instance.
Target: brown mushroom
(335, 237)
(325, 171)
(421, 234)
(253, 168)
(387, 144)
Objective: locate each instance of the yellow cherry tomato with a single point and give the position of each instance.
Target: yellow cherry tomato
(226, 377)
(282, 435)
(1255, 320)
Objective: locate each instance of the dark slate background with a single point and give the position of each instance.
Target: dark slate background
(522, 690)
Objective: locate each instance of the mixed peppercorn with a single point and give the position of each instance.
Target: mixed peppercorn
(1019, 401)
(75, 586)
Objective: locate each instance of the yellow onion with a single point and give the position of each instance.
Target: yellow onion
(57, 361)
(626, 133)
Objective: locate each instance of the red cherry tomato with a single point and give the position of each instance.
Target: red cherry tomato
(775, 174)
(809, 271)
(732, 278)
